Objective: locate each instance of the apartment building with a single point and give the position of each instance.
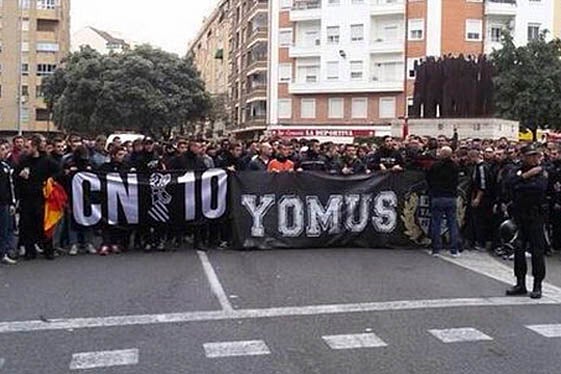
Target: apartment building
(351, 62)
(34, 37)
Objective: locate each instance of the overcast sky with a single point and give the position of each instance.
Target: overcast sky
(169, 24)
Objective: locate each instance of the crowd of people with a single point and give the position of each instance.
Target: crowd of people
(27, 163)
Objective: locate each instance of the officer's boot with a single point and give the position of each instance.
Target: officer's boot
(537, 291)
(519, 289)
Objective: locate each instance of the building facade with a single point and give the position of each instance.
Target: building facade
(102, 41)
(35, 37)
(351, 62)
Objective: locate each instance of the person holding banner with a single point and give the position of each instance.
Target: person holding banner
(443, 181)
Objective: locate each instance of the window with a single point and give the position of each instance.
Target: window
(308, 108)
(308, 70)
(25, 46)
(387, 107)
(357, 72)
(410, 103)
(357, 33)
(286, 4)
(391, 32)
(39, 91)
(416, 29)
(24, 90)
(533, 31)
(285, 72)
(336, 107)
(333, 70)
(285, 108)
(285, 38)
(24, 69)
(24, 115)
(46, 4)
(45, 69)
(356, 2)
(474, 29)
(334, 2)
(495, 33)
(360, 107)
(42, 114)
(47, 47)
(333, 35)
(411, 73)
(25, 25)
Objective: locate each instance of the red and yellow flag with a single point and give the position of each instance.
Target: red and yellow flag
(55, 202)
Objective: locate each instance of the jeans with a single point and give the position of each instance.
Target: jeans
(80, 235)
(6, 230)
(444, 207)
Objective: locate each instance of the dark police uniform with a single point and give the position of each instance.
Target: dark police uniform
(529, 201)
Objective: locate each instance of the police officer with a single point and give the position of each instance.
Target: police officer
(529, 186)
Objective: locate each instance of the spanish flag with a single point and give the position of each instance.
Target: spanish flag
(55, 202)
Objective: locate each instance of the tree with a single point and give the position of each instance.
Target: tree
(145, 90)
(528, 82)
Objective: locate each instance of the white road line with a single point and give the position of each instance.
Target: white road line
(482, 263)
(221, 315)
(236, 349)
(549, 331)
(2, 362)
(91, 360)
(215, 285)
(460, 335)
(354, 341)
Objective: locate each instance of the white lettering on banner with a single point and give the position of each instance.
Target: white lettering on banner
(78, 202)
(352, 201)
(127, 197)
(324, 220)
(291, 206)
(385, 207)
(207, 192)
(190, 207)
(258, 212)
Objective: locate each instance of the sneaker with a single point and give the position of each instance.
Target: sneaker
(435, 254)
(147, 248)
(223, 245)
(73, 250)
(90, 249)
(104, 250)
(115, 249)
(38, 249)
(161, 247)
(455, 254)
(478, 248)
(6, 260)
(21, 252)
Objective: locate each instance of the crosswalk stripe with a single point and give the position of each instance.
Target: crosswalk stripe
(549, 331)
(459, 335)
(236, 349)
(354, 341)
(91, 360)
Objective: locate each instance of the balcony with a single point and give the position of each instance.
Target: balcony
(296, 88)
(380, 46)
(259, 34)
(256, 65)
(305, 10)
(500, 8)
(386, 7)
(49, 14)
(305, 50)
(259, 6)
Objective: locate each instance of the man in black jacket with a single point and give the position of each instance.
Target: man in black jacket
(31, 175)
(7, 206)
(443, 180)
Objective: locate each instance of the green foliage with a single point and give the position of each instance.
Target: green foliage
(528, 82)
(145, 90)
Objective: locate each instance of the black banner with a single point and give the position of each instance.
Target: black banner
(308, 210)
(267, 211)
(166, 198)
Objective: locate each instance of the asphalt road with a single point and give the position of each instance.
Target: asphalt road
(307, 311)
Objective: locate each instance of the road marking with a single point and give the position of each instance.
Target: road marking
(482, 263)
(222, 315)
(354, 341)
(91, 360)
(549, 331)
(2, 362)
(215, 284)
(460, 335)
(236, 349)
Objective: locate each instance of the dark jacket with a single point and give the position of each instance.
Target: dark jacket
(313, 162)
(529, 195)
(187, 161)
(41, 168)
(443, 179)
(257, 164)
(7, 192)
(387, 157)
